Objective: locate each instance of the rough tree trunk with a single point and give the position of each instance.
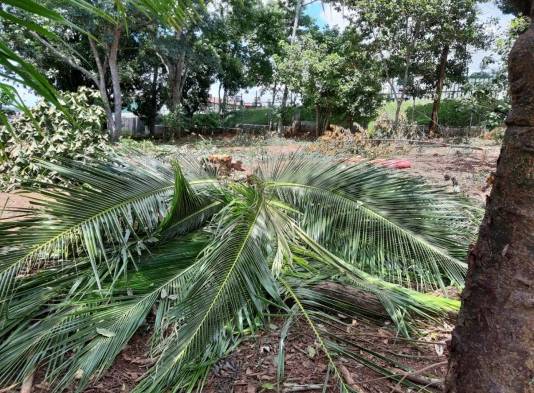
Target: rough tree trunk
(176, 83)
(115, 83)
(274, 94)
(219, 98)
(492, 344)
(151, 119)
(224, 101)
(317, 120)
(174, 65)
(433, 127)
(101, 83)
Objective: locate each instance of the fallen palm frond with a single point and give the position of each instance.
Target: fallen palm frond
(206, 260)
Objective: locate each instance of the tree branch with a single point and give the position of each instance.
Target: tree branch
(98, 61)
(65, 58)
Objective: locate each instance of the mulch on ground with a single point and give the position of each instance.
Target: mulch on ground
(252, 367)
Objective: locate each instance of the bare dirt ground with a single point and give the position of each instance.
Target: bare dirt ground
(252, 368)
(463, 170)
(10, 201)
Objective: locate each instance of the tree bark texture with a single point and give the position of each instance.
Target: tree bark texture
(115, 83)
(176, 79)
(434, 126)
(492, 348)
(101, 83)
(151, 119)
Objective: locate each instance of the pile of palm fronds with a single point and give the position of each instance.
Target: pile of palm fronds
(204, 261)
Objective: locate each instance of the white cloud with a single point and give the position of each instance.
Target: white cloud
(334, 18)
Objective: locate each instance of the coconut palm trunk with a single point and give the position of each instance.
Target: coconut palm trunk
(492, 343)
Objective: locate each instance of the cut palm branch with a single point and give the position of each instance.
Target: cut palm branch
(205, 261)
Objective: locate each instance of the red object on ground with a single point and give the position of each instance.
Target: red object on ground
(396, 164)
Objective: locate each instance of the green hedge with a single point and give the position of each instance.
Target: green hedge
(249, 116)
(265, 115)
(209, 120)
(452, 113)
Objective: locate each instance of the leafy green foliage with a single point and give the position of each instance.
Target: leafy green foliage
(482, 109)
(267, 115)
(332, 75)
(206, 120)
(249, 116)
(46, 133)
(82, 272)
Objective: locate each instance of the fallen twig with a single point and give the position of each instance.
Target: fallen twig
(348, 378)
(415, 377)
(293, 387)
(9, 389)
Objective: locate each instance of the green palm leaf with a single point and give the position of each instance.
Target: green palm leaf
(390, 225)
(190, 208)
(95, 330)
(116, 202)
(208, 258)
(232, 276)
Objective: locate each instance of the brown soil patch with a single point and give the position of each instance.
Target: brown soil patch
(10, 201)
(127, 370)
(253, 366)
(466, 171)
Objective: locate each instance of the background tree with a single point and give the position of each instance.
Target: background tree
(92, 59)
(396, 30)
(296, 12)
(332, 74)
(419, 42)
(71, 57)
(491, 349)
(452, 36)
(104, 43)
(175, 51)
(146, 94)
(202, 74)
(265, 41)
(515, 7)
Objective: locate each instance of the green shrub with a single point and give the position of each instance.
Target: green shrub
(454, 113)
(250, 116)
(46, 133)
(209, 120)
